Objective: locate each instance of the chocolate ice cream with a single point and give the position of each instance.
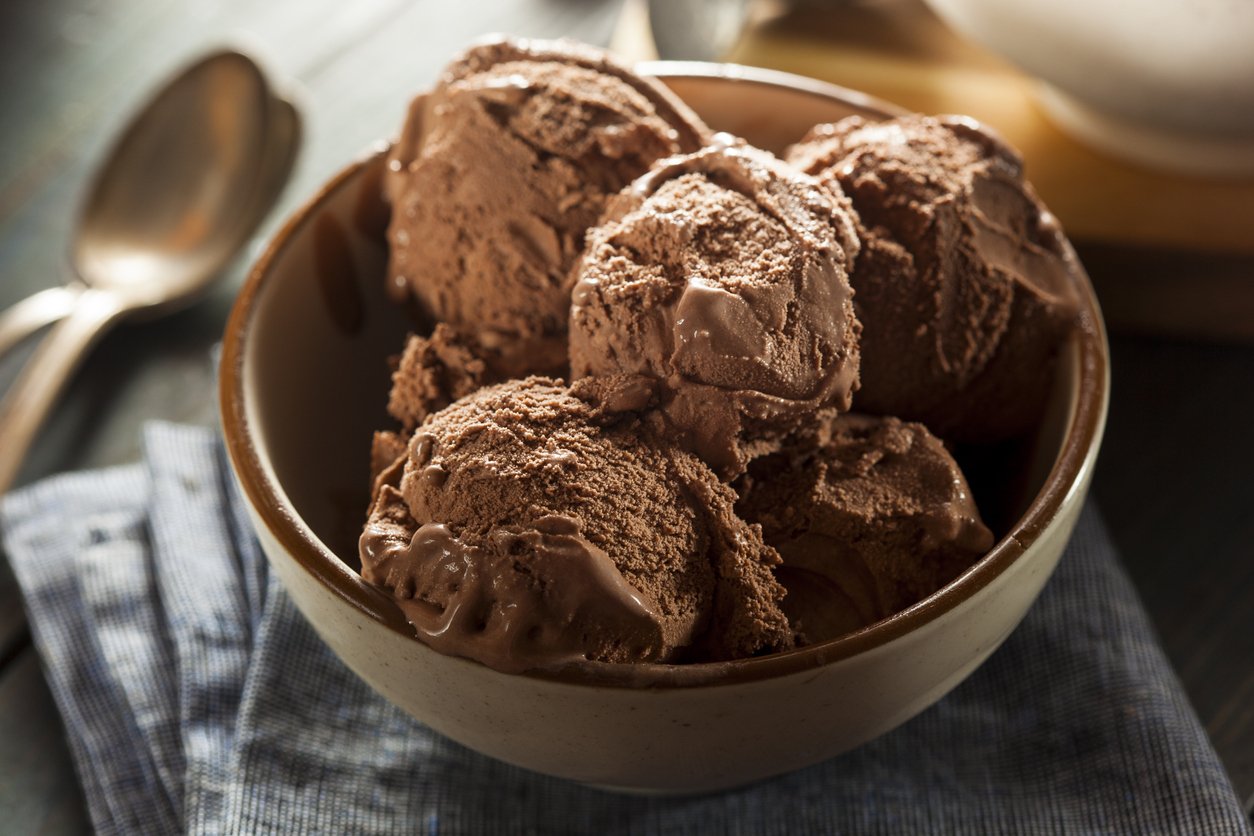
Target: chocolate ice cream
(720, 279)
(963, 283)
(521, 530)
(870, 516)
(498, 173)
(699, 491)
(433, 372)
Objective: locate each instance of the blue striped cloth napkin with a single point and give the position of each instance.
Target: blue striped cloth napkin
(197, 699)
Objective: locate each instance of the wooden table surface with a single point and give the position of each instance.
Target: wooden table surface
(1173, 479)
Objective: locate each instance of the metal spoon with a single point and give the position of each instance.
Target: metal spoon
(179, 194)
(696, 30)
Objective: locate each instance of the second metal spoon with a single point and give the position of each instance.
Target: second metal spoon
(182, 190)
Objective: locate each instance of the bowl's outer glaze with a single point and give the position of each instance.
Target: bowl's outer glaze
(678, 739)
(304, 370)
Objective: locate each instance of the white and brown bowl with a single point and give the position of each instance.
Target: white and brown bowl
(304, 382)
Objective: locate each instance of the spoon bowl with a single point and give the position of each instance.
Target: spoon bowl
(171, 205)
(178, 195)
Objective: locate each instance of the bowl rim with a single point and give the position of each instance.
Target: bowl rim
(1063, 485)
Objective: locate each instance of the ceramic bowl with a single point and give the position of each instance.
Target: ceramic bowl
(1170, 85)
(303, 384)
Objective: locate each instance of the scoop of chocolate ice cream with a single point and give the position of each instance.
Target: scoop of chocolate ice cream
(870, 516)
(433, 371)
(521, 530)
(497, 174)
(721, 278)
(963, 282)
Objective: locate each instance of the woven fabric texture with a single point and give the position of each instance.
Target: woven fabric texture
(197, 699)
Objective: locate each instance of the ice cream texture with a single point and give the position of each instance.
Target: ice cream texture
(721, 277)
(963, 285)
(519, 530)
(768, 360)
(498, 173)
(870, 516)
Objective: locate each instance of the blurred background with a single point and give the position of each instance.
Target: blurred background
(1136, 122)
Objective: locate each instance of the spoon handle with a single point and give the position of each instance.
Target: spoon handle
(27, 403)
(34, 312)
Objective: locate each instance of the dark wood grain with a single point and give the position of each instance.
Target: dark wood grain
(1174, 293)
(39, 793)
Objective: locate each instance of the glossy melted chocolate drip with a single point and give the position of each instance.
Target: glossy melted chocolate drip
(526, 598)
